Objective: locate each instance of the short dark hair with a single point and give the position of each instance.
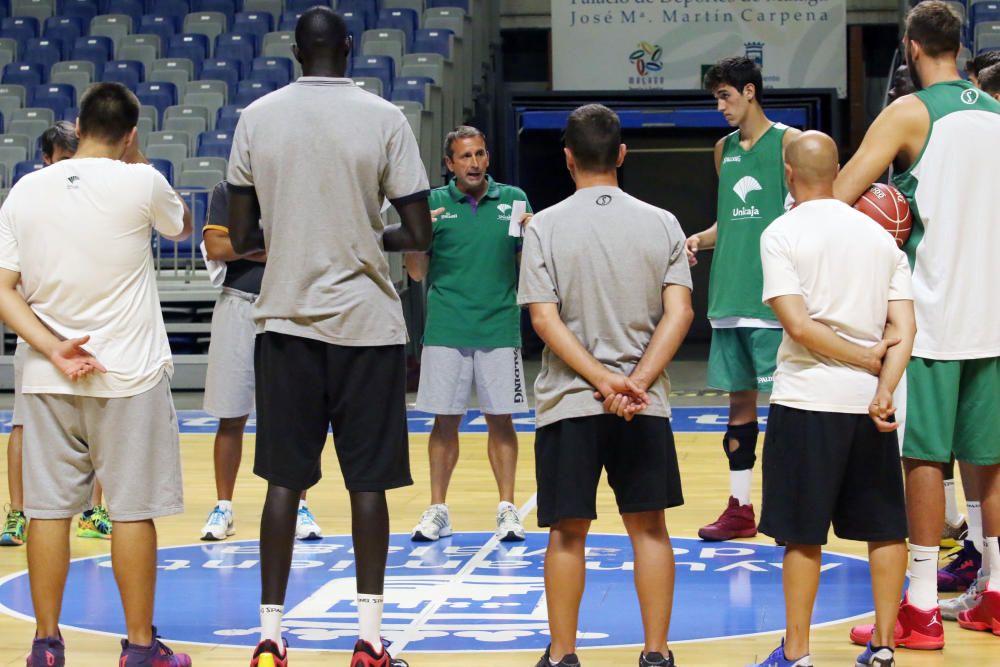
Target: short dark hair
(461, 132)
(981, 61)
(738, 72)
(61, 135)
(108, 112)
(989, 79)
(320, 32)
(594, 134)
(936, 27)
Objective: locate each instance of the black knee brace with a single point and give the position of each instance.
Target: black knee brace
(745, 455)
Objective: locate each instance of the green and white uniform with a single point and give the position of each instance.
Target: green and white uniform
(953, 381)
(745, 332)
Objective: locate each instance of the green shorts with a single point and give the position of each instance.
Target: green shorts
(743, 358)
(953, 407)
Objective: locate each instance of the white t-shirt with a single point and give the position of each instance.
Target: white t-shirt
(847, 269)
(79, 232)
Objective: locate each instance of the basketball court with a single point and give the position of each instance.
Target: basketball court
(467, 596)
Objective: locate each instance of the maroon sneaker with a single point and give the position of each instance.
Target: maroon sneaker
(47, 652)
(737, 521)
(959, 574)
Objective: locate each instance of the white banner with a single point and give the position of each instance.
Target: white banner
(667, 44)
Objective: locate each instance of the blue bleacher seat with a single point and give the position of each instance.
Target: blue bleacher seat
(164, 167)
(85, 10)
(21, 29)
(178, 8)
(357, 23)
(97, 50)
(197, 201)
(55, 96)
(191, 46)
(24, 168)
(462, 4)
(302, 5)
(238, 47)
(377, 67)
(227, 7)
(288, 21)
(253, 23)
(366, 8)
(984, 11)
(64, 28)
(224, 69)
(45, 52)
(274, 62)
(131, 8)
(163, 27)
(432, 40)
(215, 144)
(250, 90)
(228, 117)
(410, 89)
(278, 74)
(158, 94)
(70, 114)
(400, 19)
(23, 74)
(128, 72)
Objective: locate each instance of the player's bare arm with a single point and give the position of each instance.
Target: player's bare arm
(897, 134)
(705, 239)
(219, 248)
(678, 314)
(415, 231)
(821, 339)
(245, 233)
(901, 324)
(417, 263)
(67, 355)
(133, 155)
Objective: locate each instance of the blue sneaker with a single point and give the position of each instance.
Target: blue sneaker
(883, 656)
(306, 527)
(778, 659)
(47, 652)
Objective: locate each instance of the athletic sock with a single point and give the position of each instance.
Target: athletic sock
(739, 485)
(922, 592)
(975, 522)
(370, 620)
(951, 513)
(225, 505)
(270, 622)
(302, 503)
(991, 562)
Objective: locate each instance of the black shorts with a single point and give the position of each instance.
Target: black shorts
(639, 456)
(304, 386)
(829, 467)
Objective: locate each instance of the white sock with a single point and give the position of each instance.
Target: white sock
(951, 514)
(370, 620)
(225, 505)
(922, 592)
(270, 622)
(505, 505)
(302, 503)
(975, 521)
(991, 562)
(739, 485)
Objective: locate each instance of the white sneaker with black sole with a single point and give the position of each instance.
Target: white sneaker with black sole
(509, 527)
(219, 525)
(434, 524)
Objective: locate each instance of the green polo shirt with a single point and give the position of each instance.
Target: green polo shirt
(472, 278)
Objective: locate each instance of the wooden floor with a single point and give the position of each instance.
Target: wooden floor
(473, 502)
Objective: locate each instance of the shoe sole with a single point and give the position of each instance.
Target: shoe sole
(980, 626)
(738, 535)
(92, 535)
(267, 660)
(915, 641)
(310, 536)
(417, 536)
(10, 542)
(511, 536)
(209, 537)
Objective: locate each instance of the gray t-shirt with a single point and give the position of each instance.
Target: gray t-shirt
(604, 257)
(322, 154)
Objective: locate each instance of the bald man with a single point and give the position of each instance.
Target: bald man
(841, 290)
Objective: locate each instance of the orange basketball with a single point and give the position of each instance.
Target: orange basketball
(888, 207)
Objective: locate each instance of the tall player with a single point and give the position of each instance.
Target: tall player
(945, 141)
(745, 332)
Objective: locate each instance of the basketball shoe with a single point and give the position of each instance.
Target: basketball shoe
(737, 521)
(365, 656)
(951, 608)
(883, 656)
(568, 660)
(655, 659)
(961, 571)
(268, 654)
(14, 528)
(47, 652)
(915, 629)
(778, 659)
(985, 616)
(434, 524)
(509, 527)
(953, 534)
(155, 655)
(306, 527)
(95, 524)
(219, 526)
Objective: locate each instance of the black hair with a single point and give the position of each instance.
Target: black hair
(738, 72)
(594, 134)
(108, 112)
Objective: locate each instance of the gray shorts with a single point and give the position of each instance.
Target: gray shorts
(20, 352)
(447, 375)
(229, 382)
(130, 443)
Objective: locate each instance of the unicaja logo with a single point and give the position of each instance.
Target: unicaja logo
(504, 208)
(745, 186)
(647, 58)
(755, 52)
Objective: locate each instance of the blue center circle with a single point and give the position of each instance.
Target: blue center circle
(463, 593)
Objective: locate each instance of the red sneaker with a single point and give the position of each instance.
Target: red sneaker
(985, 616)
(915, 629)
(365, 656)
(268, 654)
(737, 521)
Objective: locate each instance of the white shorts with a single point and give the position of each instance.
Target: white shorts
(447, 375)
(229, 382)
(16, 418)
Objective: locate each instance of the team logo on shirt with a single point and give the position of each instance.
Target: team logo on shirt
(743, 188)
(504, 208)
(603, 200)
(72, 182)
(970, 96)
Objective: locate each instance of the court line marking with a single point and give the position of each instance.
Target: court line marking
(443, 592)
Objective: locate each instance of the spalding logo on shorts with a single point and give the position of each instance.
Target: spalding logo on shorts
(464, 593)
